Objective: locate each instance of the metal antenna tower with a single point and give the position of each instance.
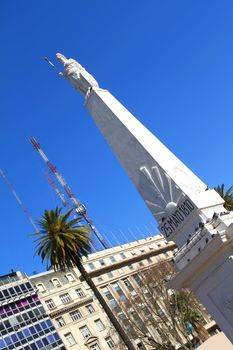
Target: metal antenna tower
(79, 207)
(58, 192)
(65, 202)
(26, 212)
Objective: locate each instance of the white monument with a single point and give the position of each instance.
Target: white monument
(187, 211)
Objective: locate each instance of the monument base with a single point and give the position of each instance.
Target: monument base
(210, 277)
(218, 341)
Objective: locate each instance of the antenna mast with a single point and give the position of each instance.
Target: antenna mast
(26, 212)
(65, 202)
(58, 193)
(79, 207)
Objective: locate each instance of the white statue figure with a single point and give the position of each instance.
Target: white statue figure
(77, 75)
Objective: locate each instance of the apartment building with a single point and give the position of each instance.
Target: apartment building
(76, 314)
(24, 325)
(115, 273)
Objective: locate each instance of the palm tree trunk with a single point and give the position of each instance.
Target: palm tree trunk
(106, 308)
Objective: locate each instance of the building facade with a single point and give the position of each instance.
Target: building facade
(24, 324)
(76, 314)
(74, 311)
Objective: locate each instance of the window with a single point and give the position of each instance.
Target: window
(112, 258)
(101, 261)
(141, 263)
(110, 274)
(130, 267)
(121, 271)
(95, 347)
(161, 334)
(110, 342)
(109, 296)
(40, 288)
(139, 343)
(127, 325)
(65, 298)
(60, 322)
(90, 309)
(91, 266)
(117, 289)
(149, 260)
(75, 315)
(122, 255)
(142, 250)
(70, 339)
(56, 282)
(85, 331)
(80, 292)
(160, 312)
(137, 279)
(99, 324)
(128, 284)
(133, 252)
(70, 277)
(50, 304)
(100, 279)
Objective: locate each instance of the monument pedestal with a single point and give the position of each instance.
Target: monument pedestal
(210, 276)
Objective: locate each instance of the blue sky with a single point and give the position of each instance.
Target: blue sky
(168, 62)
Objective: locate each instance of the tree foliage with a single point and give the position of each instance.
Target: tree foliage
(61, 242)
(227, 195)
(161, 316)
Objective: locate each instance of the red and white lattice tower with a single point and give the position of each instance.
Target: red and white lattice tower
(80, 209)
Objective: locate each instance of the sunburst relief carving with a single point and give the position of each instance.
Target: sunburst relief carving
(159, 191)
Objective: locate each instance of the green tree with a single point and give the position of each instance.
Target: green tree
(62, 242)
(190, 312)
(227, 195)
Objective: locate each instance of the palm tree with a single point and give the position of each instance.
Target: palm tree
(227, 195)
(62, 243)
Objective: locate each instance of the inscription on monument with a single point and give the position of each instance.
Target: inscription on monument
(176, 219)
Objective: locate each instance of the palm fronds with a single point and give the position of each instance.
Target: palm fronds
(61, 242)
(227, 195)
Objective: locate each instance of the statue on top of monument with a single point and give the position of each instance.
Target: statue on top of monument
(76, 74)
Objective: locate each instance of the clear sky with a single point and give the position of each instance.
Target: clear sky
(169, 62)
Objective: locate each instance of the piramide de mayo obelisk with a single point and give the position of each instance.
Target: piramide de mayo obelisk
(186, 210)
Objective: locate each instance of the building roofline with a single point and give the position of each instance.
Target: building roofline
(11, 274)
(42, 274)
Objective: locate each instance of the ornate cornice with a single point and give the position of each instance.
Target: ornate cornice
(72, 307)
(132, 260)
